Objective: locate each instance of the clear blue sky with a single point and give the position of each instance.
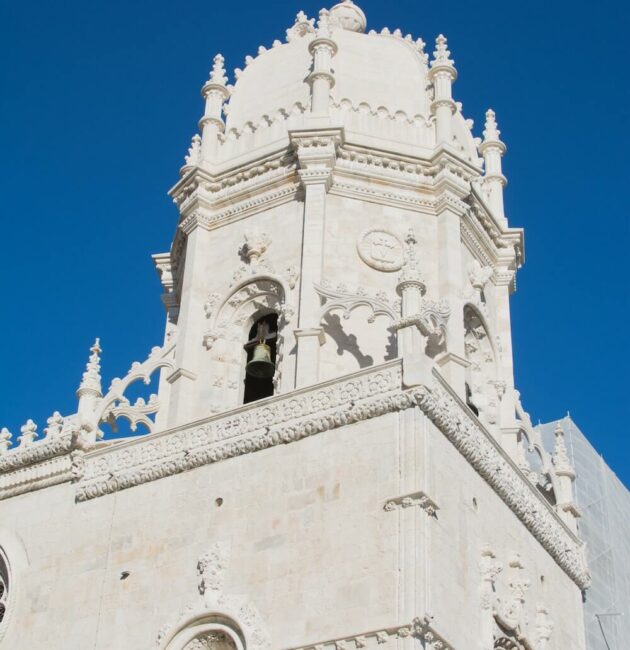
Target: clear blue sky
(98, 104)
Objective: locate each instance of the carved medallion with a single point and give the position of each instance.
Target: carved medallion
(381, 250)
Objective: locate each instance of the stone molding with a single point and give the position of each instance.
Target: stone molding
(287, 418)
(419, 628)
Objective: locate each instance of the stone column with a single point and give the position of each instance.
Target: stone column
(492, 150)
(316, 153)
(215, 92)
(443, 74)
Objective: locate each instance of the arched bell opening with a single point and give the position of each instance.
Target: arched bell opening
(261, 350)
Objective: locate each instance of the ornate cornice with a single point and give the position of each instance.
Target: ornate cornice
(448, 413)
(287, 418)
(420, 628)
(280, 420)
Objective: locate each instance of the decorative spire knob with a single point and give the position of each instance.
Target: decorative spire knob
(91, 382)
(5, 439)
(303, 25)
(218, 76)
(491, 132)
(55, 424)
(441, 56)
(349, 16)
(29, 433)
(194, 152)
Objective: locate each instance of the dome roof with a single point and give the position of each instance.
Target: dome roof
(384, 71)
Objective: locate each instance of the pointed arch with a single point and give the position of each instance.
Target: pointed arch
(483, 375)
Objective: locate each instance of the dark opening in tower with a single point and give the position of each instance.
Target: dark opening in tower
(261, 349)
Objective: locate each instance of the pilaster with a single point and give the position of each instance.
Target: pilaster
(316, 153)
(185, 400)
(503, 279)
(450, 209)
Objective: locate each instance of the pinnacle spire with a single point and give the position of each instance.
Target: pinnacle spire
(442, 55)
(217, 74)
(5, 439)
(29, 433)
(91, 381)
(491, 132)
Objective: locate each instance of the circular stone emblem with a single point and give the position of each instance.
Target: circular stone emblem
(381, 249)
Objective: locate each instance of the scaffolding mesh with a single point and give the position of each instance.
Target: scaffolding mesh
(604, 502)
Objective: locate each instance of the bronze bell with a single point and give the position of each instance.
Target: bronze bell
(261, 366)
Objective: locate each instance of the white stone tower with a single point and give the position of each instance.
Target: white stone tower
(382, 486)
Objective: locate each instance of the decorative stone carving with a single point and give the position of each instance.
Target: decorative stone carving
(421, 628)
(115, 405)
(55, 425)
(211, 641)
(381, 249)
(4, 590)
(5, 439)
(29, 433)
(415, 499)
(367, 394)
(303, 25)
(255, 246)
(225, 618)
(340, 298)
(211, 567)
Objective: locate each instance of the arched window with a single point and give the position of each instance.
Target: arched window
(481, 375)
(4, 589)
(261, 349)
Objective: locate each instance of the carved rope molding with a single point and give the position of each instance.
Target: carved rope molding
(280, 420)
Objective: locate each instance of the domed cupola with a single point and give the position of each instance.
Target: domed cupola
(349, 16)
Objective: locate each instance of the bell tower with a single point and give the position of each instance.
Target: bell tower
(337, 456)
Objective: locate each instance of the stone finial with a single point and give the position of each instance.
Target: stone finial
(323, 24)
(29, 433)
(491, 132)
(55, 425)
(349, 16)
(303, 25)
(5, 439)
(561, 457)
(194, 152)
(217, 74)
(441, 56)
(91, 382)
